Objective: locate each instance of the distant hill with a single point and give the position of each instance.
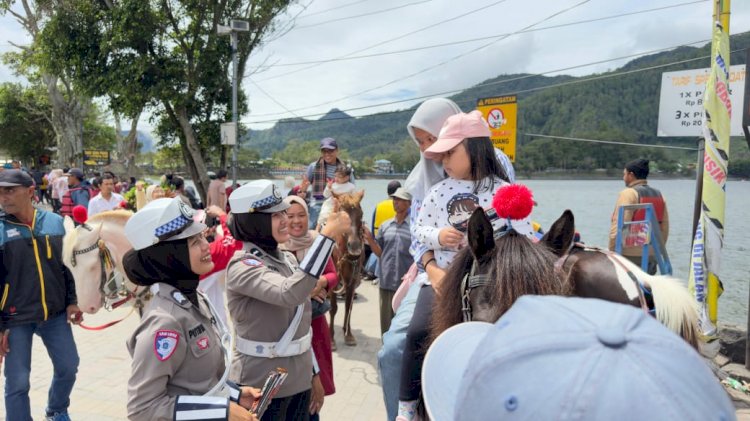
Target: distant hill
(620, 108)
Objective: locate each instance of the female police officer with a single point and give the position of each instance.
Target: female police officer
(268, 295)
(179, 368)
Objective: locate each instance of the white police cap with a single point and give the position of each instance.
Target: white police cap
(257, 196)
(162, 220)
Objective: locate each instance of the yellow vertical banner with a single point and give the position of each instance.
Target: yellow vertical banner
(705, 258)
(501, 114)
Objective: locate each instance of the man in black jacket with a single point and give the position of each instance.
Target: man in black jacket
(38, 297)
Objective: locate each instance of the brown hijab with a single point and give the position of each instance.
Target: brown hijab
(299, 245)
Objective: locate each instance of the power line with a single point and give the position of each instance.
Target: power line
(375, 12)
(444, 62)
(483, 85)
(610, 142)
(436, 94)
(332, 9)
(272, 98)
(470, 40)
(378, 44)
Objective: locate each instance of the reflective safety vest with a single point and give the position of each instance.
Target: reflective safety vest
(67, 204)
(638, 234)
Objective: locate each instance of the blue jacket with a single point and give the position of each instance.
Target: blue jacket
(34, 283)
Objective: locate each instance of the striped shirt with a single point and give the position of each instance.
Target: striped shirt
(394, 239)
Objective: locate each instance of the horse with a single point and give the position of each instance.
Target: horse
(349, 258)
(93, 253)
(488, 276)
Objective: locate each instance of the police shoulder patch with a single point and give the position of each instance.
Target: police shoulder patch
(179, 298)
(165, 343)
(252, 262)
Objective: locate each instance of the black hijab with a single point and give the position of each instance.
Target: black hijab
(167, 262)
(254, 228)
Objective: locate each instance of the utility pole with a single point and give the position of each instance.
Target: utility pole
(232, 30)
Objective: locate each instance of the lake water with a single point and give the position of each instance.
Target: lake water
(592, 203)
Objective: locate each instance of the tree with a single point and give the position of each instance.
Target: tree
(25, 122)
(69, 107)
(165, 55)
(27, 129)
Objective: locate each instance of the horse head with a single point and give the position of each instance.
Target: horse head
(350, 203)
(93, 253)
(486, 278)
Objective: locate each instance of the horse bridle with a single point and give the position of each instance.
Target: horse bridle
(470, 281)
(110, 283)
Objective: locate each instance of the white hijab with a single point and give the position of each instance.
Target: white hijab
(429, 116)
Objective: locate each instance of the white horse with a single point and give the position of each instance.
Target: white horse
(93, 252)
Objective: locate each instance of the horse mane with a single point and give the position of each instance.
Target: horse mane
(447, 307)
(71, 237)
(349, 200)
(517, 266)
(115, 216)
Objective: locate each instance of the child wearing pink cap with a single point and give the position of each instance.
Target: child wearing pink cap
(474, 174)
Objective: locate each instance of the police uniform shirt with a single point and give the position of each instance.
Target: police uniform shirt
(176, 350)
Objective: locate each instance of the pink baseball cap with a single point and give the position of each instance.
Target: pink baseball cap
(457, 128)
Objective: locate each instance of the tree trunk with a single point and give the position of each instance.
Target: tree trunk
(67, 119)
(191, 150)
(130, 146)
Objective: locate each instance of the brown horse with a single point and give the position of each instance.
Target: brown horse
(349, 258)
(488, 276)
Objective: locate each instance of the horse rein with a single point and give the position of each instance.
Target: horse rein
(108, 285)
(470, 281)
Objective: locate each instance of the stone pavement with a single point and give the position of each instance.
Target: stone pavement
(100, 392)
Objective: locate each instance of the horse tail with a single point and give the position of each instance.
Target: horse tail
(675, 307)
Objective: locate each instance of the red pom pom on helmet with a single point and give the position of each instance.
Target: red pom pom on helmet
(514, 201)
(80, 214)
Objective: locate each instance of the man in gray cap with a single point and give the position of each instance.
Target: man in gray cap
(38, 298)
(319, 173)
(552, 357)
(391, 245)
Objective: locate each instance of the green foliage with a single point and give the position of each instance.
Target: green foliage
(26, 131)
(621, 108)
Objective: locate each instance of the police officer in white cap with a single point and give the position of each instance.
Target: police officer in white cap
(268, 296)
(180, 349)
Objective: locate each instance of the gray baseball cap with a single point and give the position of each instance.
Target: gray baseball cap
(552, 357)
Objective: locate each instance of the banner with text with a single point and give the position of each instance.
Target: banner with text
(501, 114)
(93, 157)
(681, 101)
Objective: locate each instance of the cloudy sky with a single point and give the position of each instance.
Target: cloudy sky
(407, 59)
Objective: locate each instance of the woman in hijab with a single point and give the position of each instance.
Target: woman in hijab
(423, 128)
(268, 296)
(179, 352)
(299, 243)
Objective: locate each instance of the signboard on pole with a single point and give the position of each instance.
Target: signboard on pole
(501, 114)
(228, 133)
(93, 157)
(681, 101)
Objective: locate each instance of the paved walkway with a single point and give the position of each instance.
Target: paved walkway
(101, 390)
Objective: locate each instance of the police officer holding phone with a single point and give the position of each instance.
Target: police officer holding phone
(180, 356)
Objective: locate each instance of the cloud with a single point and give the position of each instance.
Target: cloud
(383, 82)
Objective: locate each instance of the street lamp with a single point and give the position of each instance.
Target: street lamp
(234, 27)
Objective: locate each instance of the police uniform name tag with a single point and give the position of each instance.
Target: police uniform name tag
(165, 343)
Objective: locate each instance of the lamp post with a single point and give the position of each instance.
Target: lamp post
(232, 30)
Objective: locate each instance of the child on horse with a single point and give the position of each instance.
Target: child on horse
(474, 174)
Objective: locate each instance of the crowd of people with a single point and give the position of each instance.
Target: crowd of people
(260, 260)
